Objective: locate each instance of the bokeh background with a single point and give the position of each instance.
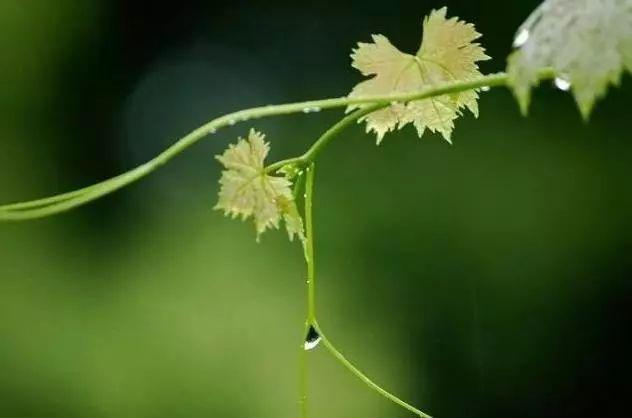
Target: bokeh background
(490, 278)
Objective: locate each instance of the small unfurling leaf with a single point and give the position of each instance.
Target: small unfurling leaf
(587, 42)
(447, 53)
(248, 191)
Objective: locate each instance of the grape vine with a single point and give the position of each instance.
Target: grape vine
(429, 90)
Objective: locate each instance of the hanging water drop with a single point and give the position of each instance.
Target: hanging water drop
(212, 131)
(485, 88)
(562, 83)
(521, 38)
(231, 122)
(312, 339)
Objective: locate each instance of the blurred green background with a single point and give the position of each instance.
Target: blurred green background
(491, 278)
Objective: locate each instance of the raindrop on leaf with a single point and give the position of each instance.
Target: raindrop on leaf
(521, 38)
(562, 83)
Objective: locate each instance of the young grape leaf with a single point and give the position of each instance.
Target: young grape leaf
(247, 190)
(447, 53)
(587, 42)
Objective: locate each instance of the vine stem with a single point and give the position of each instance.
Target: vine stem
(310, 318)
(303, 378)
(309, 245)
(310, 155)
(66, 201)
(311, 298)
(364, 378)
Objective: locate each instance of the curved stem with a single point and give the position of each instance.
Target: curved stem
(66, 201)
(47, 201)
(311, 154)
(311, 294)
(61, 203)
(342, 359)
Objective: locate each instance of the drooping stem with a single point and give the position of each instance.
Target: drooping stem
(66, 201)
(364, 378)
(311, 320)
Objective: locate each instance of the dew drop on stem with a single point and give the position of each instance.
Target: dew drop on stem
(312, 339)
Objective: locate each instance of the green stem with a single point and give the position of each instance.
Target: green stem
(66, 201)
(342, 359)
(310, 155)
(303, 376)
(311, 293)
(309, 245)
(311, 306)
(47, 201)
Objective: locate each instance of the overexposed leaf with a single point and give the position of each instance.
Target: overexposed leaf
(248, 191)
(587, 42)
(447, 53)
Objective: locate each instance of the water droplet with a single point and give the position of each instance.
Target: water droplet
(212, 131)
(562, 83)
(312, 339)
(311, 109)
(485, 88)
(521, 38)
(231, 122)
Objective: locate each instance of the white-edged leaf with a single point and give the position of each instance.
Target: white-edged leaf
(587, 42)
(248, 191)
(447, 53)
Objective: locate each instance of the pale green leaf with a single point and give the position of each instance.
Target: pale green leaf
(248, 191)
(587, 42)
(447, 54)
